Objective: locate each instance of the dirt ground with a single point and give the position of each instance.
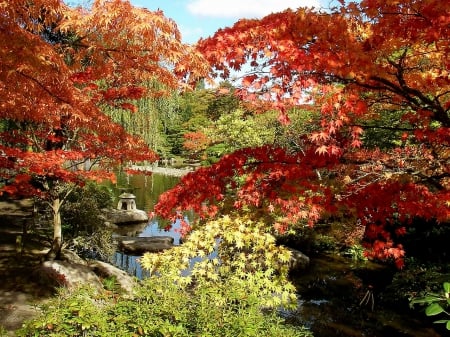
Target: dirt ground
(20, 253)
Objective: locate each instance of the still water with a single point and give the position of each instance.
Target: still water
(147, 190)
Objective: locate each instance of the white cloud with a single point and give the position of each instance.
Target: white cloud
(188, 32)
(245, 8)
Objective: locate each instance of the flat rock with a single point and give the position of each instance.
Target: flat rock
(141, 245)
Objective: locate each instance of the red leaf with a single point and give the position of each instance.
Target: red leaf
(129, 106)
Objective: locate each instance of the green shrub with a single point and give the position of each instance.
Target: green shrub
(230, 251)
(160, 307)
(356, 253)
(83, 221)
(3, 332)
(82, 211)
(437, 304)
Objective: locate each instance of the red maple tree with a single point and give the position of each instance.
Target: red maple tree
(376, 60)
(58, 67)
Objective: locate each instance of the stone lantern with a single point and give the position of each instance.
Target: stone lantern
(127, 202)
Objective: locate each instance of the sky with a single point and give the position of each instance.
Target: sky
(202, 18)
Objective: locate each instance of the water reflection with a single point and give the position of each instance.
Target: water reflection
(130, 230)
(130, 263)
(147, 190)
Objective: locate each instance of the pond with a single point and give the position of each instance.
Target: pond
(341, 298)
(147, 189)
(335, 294)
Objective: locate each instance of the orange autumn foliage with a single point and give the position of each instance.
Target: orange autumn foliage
(359, 63)
(58, 66)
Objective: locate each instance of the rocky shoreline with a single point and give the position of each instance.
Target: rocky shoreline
(169, 171)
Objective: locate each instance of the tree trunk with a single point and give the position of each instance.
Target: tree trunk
(55, 251)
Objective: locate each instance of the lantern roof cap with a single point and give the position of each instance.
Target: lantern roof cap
(127, 196)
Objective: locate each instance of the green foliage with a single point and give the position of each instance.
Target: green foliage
(416, 279)
(203, 109)
(195, 103)
(110, 283)
(223, 103)
(160, 307)
(82, 218)
(81, 312)
(385, 130)
(154, 119)
(82, 209)
(227, 279)
(236, 130)
(356, 253)
(437, 303)
(96, 245)
(215, 152)
(239, 129)
(324, 243)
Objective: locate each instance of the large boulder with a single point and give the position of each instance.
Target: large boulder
(105, 270)
(140, 245)
(73, 271)
(67, 274)
(72, 257)
(299, 261)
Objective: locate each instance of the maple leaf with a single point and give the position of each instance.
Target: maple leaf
(356, 143)
(322, 150)
(319, 136)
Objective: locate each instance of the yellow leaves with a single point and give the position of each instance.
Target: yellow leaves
(284, 256)
(239, 243)
(229, 250)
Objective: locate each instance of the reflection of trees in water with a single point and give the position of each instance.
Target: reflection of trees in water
(130, 264)
(147, 189)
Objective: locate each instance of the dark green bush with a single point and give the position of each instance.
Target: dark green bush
(82, 217)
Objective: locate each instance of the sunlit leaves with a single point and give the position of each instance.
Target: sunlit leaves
(270, 176)
(230, 250)
(369, 68)
(60, 66)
